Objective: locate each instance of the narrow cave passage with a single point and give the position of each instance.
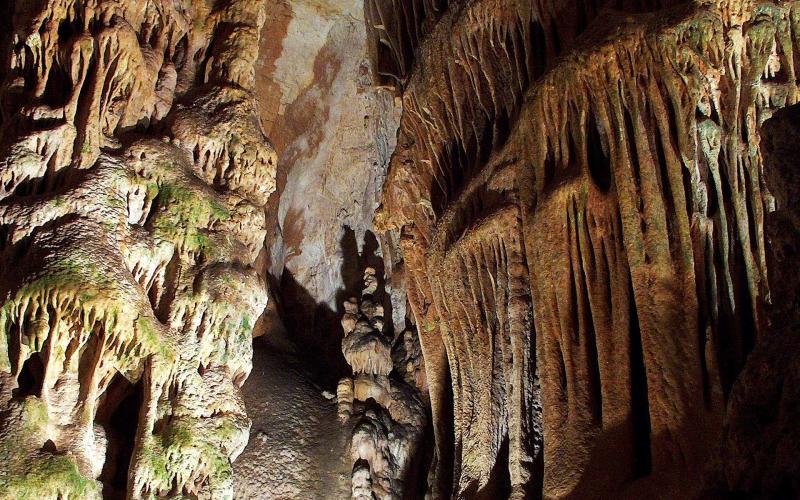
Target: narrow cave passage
(118, 414)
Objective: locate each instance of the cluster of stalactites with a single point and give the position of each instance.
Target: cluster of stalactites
(396, 29)
(471, 74)
(634, 161)
(126, 257)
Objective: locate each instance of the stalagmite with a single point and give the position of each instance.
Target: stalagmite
(386, 409)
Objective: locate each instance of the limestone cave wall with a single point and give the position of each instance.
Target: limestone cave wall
(471, 249)
(134, 171)
(582, 198)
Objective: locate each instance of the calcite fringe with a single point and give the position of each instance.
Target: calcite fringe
(582, 200)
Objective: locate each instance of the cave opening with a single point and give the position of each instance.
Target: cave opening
(118, 413)
(31, 377)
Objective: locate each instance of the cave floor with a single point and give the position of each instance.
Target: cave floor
(296, 441)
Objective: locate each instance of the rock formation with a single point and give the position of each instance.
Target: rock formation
(335, 130)
(134, 172)
(384, 403)
(570, 229)
(759, 445)
(582, 200)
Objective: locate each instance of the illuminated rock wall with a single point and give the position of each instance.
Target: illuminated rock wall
(582, 199)
(134, 172)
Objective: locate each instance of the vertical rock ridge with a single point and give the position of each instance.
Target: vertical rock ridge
(382, 401)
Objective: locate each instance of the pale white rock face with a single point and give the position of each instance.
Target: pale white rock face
(308, 32)
(334, 132)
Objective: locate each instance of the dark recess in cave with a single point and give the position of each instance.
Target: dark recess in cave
(315, 328)
(29, 382)
(118, 413)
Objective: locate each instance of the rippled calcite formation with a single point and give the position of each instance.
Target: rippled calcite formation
(383, 403)
(133, 174)
(581, 194)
